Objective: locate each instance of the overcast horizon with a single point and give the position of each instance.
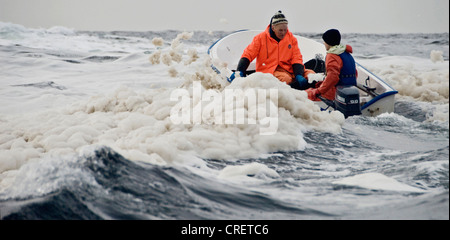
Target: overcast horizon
(349, 16)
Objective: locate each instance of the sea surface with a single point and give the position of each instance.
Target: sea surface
(86, 133)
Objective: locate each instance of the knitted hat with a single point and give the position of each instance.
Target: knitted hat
(332, 37)
(278, 18)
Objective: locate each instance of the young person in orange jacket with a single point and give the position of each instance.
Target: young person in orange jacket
(276, 51)
(340, 67)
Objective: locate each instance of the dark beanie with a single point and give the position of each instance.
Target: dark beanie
(332, 37)
(278, 18)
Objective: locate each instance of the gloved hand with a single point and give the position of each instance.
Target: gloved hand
(233, 76)
(302, 82)
(313, 93)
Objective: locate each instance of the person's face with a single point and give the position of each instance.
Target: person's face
(327, 47)
(280, 30)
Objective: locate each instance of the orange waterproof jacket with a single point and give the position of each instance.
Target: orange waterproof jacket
(333, 65)
(269, 53)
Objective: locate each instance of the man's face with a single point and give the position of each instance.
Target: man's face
(280, 30)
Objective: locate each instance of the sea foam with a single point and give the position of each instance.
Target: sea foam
(137, 124)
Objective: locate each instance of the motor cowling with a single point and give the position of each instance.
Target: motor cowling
(347, 100)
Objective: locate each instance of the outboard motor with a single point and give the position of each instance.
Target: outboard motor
(347, 100)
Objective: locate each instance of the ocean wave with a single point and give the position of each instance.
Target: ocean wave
(116, 188)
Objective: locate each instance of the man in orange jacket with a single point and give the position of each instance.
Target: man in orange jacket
(340, 67)
(276, 51)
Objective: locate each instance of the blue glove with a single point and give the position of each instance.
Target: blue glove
(233, 76)
(302, 82)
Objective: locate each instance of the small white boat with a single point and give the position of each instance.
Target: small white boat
(375, 95)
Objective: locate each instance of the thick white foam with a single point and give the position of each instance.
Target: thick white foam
(376, 181)
(420, 79)
(98, 109)
(137, 124)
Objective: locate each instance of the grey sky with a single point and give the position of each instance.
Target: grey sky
(360, 16)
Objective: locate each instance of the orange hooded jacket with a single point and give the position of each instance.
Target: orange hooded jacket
(327, 88)
(269, 53)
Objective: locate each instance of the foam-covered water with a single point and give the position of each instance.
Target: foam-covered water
(86, 133)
